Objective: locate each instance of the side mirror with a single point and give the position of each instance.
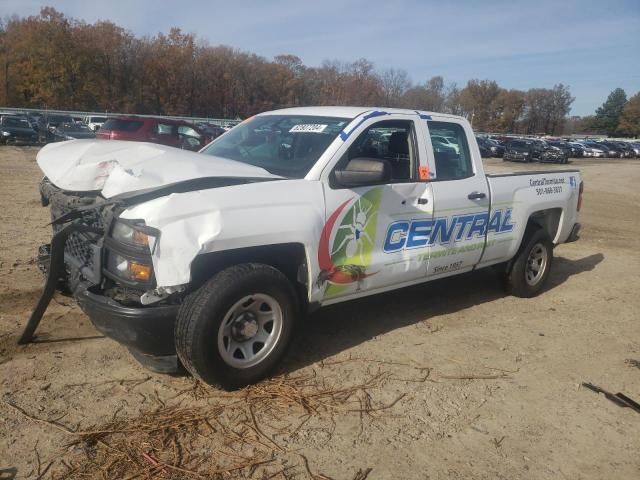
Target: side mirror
(364, 171)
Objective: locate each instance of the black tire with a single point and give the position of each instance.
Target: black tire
(518, 278)
(202, 313)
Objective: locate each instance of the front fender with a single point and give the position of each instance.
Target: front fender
(215, 220)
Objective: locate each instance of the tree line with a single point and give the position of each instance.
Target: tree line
(616, 117)
(52, 61)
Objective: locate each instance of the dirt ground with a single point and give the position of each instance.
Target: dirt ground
(377, 388)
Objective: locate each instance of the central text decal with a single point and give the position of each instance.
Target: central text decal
(407, 234)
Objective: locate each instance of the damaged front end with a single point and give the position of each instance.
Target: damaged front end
(83, 247)
(105, 263)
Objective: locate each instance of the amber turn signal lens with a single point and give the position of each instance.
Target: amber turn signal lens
(139, 271)
(140, 238)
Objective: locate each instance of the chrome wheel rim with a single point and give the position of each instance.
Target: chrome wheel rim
(536, 264)
(250, 330)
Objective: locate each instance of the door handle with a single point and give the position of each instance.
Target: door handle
(419, 201)
(476, 195)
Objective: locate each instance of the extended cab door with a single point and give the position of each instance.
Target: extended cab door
(361, 249)
(461, 199)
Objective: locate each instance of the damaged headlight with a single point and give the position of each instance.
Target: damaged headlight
(134, 234)
(129, 269)
(129, 248)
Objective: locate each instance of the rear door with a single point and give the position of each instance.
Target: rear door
(461, 200)
(363, 245)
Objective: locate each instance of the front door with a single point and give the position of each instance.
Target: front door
(361, 247)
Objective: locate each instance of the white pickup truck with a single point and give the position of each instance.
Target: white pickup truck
(209, 259)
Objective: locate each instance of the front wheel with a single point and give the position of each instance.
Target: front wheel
(531, 266)
(235, 328)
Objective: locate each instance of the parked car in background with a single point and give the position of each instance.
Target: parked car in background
(597, 151)
(519, 150)
(636, 148)
(52, 121)
(213, 131)
(34, 118)
(72, 131)
(48, 123)
(485, 152)
(16, 129)
(146, 129)
(534, 149)
(553, 154)
(194, 137)
(94, 123)
(564, 146)
(626, 148)
(449, 142)
(578, 150)
(495, 149)
(612, 150)
(440, 149)
(538, 146)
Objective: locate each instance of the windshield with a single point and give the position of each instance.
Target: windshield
(285, 145)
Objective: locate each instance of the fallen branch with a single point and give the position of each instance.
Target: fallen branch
(362, 474)
(472, 377)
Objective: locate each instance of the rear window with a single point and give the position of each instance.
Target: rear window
(97, 119)
(120, 125)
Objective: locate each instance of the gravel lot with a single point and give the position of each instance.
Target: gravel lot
(451, 379)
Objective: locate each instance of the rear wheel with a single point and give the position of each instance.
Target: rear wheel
(234, 329)
(531, 266)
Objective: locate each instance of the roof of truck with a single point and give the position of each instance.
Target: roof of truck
(347, 112)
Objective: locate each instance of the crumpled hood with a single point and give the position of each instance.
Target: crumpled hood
(116, 166)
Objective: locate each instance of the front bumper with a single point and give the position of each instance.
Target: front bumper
(517, 157)
(552, 158)
(146, 330)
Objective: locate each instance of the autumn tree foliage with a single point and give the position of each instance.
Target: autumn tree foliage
(629, 121)
(51, 61)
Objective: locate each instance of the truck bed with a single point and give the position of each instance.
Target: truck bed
(550, 195)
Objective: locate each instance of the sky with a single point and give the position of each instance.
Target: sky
(592, 46)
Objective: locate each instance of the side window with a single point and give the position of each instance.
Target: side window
(450, 150)
(165, 129)
(391, 141)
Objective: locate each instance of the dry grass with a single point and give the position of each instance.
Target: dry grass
(202, 432)
(219, 435)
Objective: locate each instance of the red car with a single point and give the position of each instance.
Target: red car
(175, 133)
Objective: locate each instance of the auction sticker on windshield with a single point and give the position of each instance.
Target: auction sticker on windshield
(308, 128)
